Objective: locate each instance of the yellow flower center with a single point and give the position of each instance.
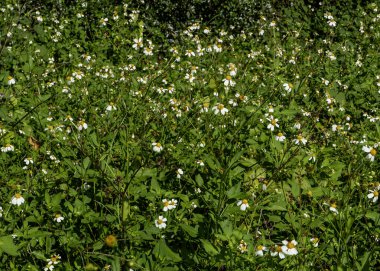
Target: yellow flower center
(57, 215)
(54, 258)
(273, 121)
(260, 247)
(373, 152)
(158, 145)
(159, 221)
(279, 134)
(244, 201)
(220, 106)
(290, 245)
(299, 137)
(166, 203)
(228, 77)
(376, 193)
(333, 205)
(315, 240)
(10, 78)
(18, 196)
(206, 105)
(278, 249)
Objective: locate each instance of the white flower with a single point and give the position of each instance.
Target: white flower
(28, 161)
(103, 21)
(280, 137)
(260, 250)
(219, 109)
(138, 43)
(333, 208)
(17, 199)
(179, 173)
(300, 139)
(371, 152)
(111, 107)
(11, 80)
(273, 123)
(160, 222)
(54, 259)
(82, 125)
(157, 147)
(289, 248)
(288, 87)
(243, 204)
(314, 241)
(374, 195)
(297, 126)
(277, 251)
(1, 211)
(7, 148)
(189, 53)
(228, 81)
(243, 247)
(58, 218)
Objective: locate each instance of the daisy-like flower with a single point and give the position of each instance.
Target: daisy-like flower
(54, 259)
(138, 43)
(333, 208)
(28, 161)
(11, 80)
(374, 195)
(160, 222)
(288, 87)
(17, 199)
(82, 125)
(289, 248)
(179, 173)
(172, 204)
(314, 241)
(166, 204)
(277, 251)
(189, 53)
(103, 21)
(157, 147)
(243, 247)
(111, 107)
(260, 250)
(300, 139)
(280, 137)
(7, 148)
(273, 123)
(228, 81)
(219, 109)
(243, 204)
(371, 152)
(58, 218)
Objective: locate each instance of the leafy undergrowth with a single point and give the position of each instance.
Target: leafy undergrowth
(129, 145)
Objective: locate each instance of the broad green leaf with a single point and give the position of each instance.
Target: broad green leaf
(7, 246)
(192, 231)
(210, 249)
(162, 251)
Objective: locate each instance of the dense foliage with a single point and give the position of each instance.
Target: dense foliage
(242, 136)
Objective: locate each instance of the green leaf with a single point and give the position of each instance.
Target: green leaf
(86, 162)
(234, 191)
(192, 231)
(7, 245)
(210, 249)
(162, 251)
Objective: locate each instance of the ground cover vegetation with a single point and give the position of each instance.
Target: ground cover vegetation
(233, 135)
